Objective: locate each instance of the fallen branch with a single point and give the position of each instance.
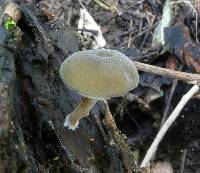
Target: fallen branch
(167, 124)
(183, 76)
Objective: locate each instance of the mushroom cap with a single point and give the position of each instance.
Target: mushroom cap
(99, 74)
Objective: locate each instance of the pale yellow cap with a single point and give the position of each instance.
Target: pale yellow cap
(99, 74)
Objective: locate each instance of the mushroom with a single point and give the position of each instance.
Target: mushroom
(97, 75)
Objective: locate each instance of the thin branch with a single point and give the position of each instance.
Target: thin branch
(165, 114)
(141, 33)
(183, 76)
(95, 32)
(167, 125)
(183, 159)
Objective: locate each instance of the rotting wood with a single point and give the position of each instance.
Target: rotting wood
(13, 153)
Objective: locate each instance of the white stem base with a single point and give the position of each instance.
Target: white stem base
(83, 109)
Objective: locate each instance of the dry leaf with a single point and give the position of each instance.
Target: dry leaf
(87, 22)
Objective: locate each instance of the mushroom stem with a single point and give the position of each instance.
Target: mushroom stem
(82, 110)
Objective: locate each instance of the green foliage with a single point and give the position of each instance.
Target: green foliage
(10, 24)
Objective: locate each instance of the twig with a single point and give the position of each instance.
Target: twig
(130, 33)
(120, 107)
(166, 111)
(109, 120)
(167, 125)
(183, 158)
(69, 16)
(165, 114)
(117, 140)
(134, 4)
(141, 33)
(95, 32)
(108, 6)
(104, 5)
(183, 76)
(144, 40)
(131, 97)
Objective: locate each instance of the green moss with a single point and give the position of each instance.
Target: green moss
(10, 24)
